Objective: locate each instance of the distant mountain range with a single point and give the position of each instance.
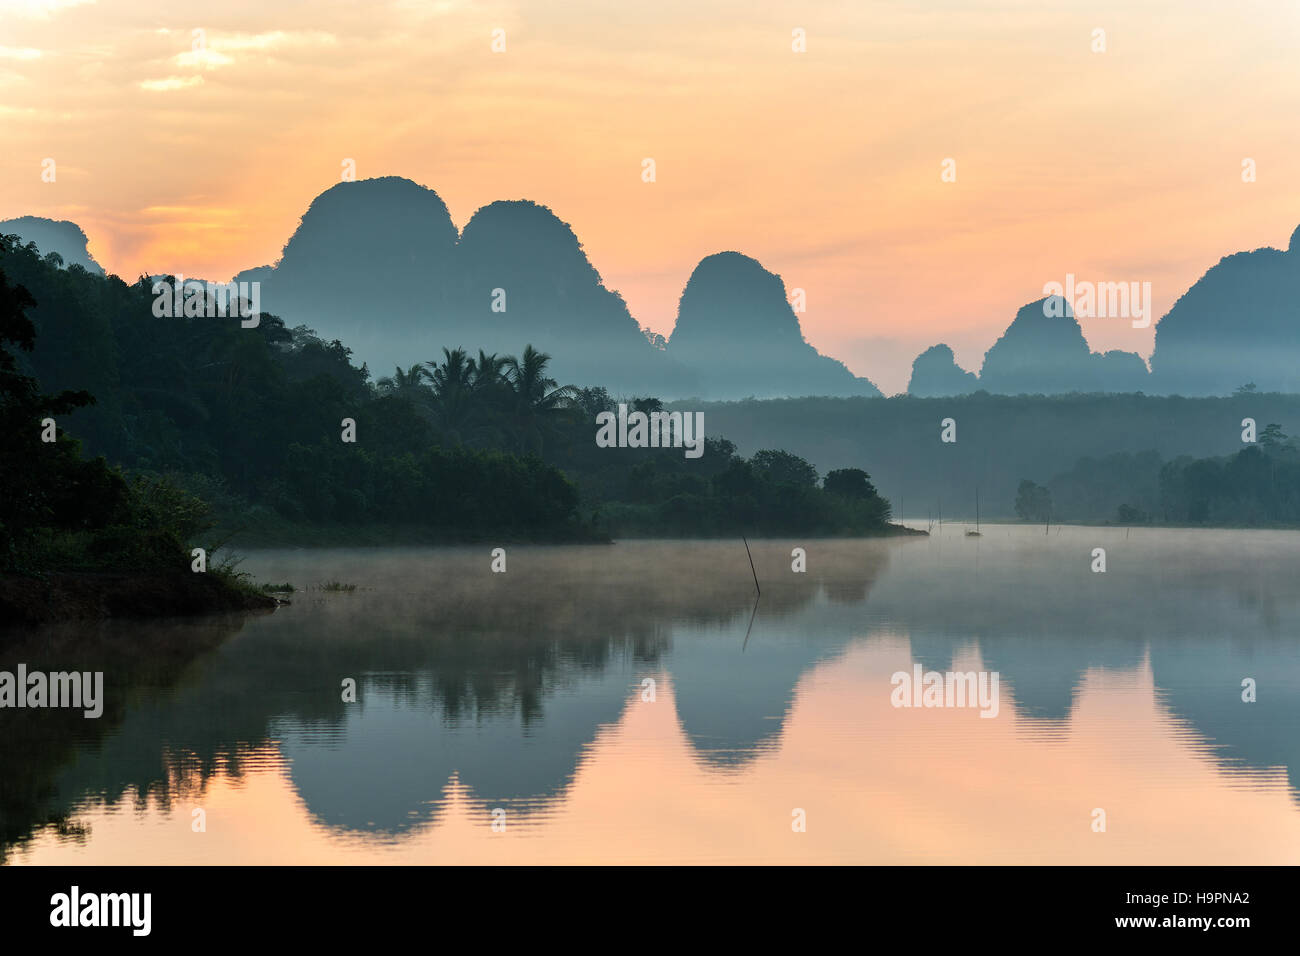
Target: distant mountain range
(737, 333)
(1043, 351)
(1238, 325)
(66, 239)
(380, 265)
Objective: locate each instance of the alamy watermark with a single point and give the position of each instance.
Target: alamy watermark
(195, 299)
(651, 430)
(38, 689)
(76, 909)
(1115, 300)
(947, 689)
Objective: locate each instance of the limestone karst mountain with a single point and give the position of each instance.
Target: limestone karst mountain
(1120, 371)
(379, 264)
(1238, 324)
(1043, 351)
(368, 264)
(737, 331)
(936, 374)
(54, 235)
(521, 276)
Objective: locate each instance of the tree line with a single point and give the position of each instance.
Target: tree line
(241, 428)
(1254, 487)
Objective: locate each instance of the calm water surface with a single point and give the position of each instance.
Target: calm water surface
(524, 698)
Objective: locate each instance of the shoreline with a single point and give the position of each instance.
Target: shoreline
(384, 536)
(93, 595)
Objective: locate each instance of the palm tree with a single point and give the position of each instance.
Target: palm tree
(453, 387)
(536, 397)
(489, 371)
(488, 422)
(403, 382)
(647, 405)
(454, 374)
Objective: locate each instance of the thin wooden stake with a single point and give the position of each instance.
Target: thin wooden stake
(751, 564)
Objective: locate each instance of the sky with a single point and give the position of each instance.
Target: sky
(197, 152)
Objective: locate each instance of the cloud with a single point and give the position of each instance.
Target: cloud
(212, 52)
(203, 59)
(18, 53)
(172, 83)
(38, 9)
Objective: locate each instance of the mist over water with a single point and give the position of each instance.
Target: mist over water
(524, 692)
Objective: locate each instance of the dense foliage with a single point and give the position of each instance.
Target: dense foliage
(58, 509)
(1258, 485)
(256, 421)
(1000, 439)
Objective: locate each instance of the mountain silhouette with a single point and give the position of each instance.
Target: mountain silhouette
(368, 264)
(1239, 323)
(736, 328)
(379, 264)
(936, 374)
(54, 235)
(521, 276)
(1120, 371)
(1043, 351)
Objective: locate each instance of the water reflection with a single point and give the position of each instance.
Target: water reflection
(524, 691)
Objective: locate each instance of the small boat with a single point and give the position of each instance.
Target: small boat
(976, 533)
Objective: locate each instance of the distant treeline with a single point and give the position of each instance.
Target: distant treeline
(1000, 440)
(255, 423)
(1256, 486)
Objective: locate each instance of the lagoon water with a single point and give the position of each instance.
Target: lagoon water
(509, 718)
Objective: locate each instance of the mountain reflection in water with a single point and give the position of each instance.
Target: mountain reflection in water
(525, 691)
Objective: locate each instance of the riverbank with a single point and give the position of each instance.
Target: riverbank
(65, 596)
(888, 531)
(271, 531)
(281, 534)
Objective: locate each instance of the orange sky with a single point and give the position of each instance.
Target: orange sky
(1123, 165)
